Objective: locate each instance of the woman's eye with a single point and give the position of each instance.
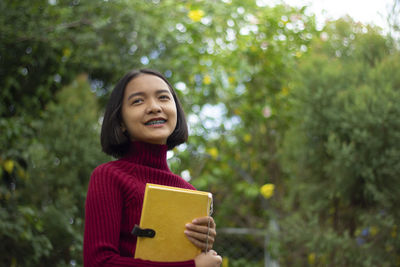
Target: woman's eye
(137, 101)
(164, 97)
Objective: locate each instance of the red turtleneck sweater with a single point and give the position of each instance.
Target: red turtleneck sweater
(114, 204)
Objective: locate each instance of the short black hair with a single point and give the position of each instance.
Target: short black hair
(113, 140)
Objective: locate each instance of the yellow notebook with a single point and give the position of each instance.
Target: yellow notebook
(166, 210)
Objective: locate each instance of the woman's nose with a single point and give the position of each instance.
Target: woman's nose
(153, 107)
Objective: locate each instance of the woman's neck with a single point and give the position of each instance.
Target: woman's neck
(147, 154)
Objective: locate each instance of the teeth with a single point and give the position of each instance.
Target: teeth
(155, 122)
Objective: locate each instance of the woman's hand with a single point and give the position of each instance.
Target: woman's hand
(198, 232)
(209, 259)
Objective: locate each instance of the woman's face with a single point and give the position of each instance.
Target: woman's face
(148, 110)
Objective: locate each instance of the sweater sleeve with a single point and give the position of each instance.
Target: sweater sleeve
(103, 213)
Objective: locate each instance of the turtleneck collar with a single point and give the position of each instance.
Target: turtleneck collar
(146, 154)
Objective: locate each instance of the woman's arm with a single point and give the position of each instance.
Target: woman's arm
(103, 214)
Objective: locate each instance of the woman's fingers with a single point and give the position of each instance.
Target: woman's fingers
(203, 225)
(201, 229)
(201, 232)
(209, 259)
(213, 252)
(205, 221)
(201, 245)
(202, 236)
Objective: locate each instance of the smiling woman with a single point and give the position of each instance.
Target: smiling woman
(133, 87)
(143, 119)
(148, 110)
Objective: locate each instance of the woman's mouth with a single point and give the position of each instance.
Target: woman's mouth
(155, 122)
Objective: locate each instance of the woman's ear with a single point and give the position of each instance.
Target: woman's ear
(123, 128)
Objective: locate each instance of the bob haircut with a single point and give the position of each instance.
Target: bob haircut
(113, 140)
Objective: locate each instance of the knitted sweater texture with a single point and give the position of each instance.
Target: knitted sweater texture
(114, 204)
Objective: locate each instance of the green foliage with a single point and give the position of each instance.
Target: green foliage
(341, 152)
(242, 75)
(49, 43)
(43, 196)
(269, 99)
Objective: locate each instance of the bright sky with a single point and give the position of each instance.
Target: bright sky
(365, 11)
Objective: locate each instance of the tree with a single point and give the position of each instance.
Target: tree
(44, 206)
(341, 151)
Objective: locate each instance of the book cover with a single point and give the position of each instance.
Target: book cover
(167, 210)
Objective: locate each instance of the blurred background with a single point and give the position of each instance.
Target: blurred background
(294, 123)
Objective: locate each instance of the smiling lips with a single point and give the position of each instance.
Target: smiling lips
(157, 121)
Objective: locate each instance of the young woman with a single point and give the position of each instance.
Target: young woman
(143, 119)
